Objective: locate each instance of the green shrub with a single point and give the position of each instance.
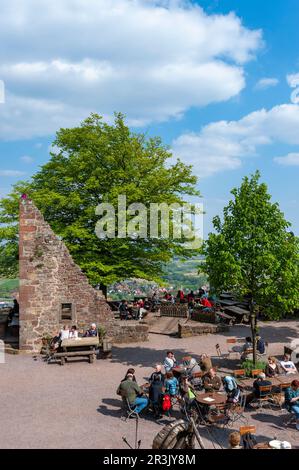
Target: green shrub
(101, 332)
(248, 366)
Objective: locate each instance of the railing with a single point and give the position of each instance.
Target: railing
(174, 310)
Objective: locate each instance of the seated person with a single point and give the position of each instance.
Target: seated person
(205, 364)
(193, 368)
(171, 384)
(208, 307)
(156, 393)
(187, 391)
(246, 348)
(64, 333)
(129, 390)
(212, 382)
(259, 382)
(169, 361)
(292, 400)
(273, 367)
(157, 373)
(234, 440)
(231, 388)
(92, 332)
(132, 372)
(124, 310)
(73, 332)
(287, 365)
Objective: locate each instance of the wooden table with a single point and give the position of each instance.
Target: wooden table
(177, 371)
(275, 381)
(77, 347)
(218, 398)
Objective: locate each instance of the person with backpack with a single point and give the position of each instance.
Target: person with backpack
(260, 345)
(231, 388)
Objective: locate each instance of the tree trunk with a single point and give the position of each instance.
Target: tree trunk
(253, 324)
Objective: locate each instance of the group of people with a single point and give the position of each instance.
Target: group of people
(72, 333)
(136, 311)
(171, 385)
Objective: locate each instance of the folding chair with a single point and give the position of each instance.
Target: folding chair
(266, 396)
(239, 373)
(129, 410)
(236, 410)
(256, 372)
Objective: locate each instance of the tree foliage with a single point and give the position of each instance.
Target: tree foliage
(95, 163)
(253, 252)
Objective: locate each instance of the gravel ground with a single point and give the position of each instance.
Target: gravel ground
(75, 406)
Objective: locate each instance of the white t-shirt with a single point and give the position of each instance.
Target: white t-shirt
(73, 334)
(64, 334)
(169, 364)
(289, 365)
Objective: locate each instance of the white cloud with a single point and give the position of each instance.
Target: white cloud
(66, 58)
(265, 83)
(221, 145)
(292, 159)
(27, 159)
(11, 173)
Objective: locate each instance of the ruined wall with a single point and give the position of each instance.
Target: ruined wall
(49, 278)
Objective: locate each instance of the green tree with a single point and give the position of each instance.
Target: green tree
(92, 164)
(253, 253)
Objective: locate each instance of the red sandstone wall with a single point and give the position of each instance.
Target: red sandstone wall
(48, 278)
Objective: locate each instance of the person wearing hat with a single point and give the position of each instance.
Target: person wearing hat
(292, 400)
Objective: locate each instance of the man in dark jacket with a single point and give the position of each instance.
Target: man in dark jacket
(129, 390)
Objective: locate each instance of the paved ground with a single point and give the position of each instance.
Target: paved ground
(75, 406)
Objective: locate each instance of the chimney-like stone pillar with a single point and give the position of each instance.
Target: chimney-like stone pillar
(53, 289)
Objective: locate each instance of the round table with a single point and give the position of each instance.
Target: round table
(177, 371)
(209, 399)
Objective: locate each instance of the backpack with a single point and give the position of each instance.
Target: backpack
(166, 403)
(261, 346)
(249, 441)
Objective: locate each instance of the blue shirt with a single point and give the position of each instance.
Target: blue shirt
(171, 386)
(289, 394)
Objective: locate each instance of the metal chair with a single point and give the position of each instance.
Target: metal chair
(266, 396)
(129, 410)
(239, 373)
(236, 410)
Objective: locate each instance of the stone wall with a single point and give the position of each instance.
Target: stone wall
(49, 278)
(196, 329)
(127, 332)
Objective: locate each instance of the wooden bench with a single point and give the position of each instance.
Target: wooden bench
(81, 347)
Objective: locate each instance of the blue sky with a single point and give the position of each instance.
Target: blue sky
(216, 79)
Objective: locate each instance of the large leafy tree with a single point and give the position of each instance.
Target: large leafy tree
(96, 163)
(254, 253)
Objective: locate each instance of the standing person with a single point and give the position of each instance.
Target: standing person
(157, 372)
(132, 392)
(169, 361)
(260, 345)
(156, 392)
(292, 400)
